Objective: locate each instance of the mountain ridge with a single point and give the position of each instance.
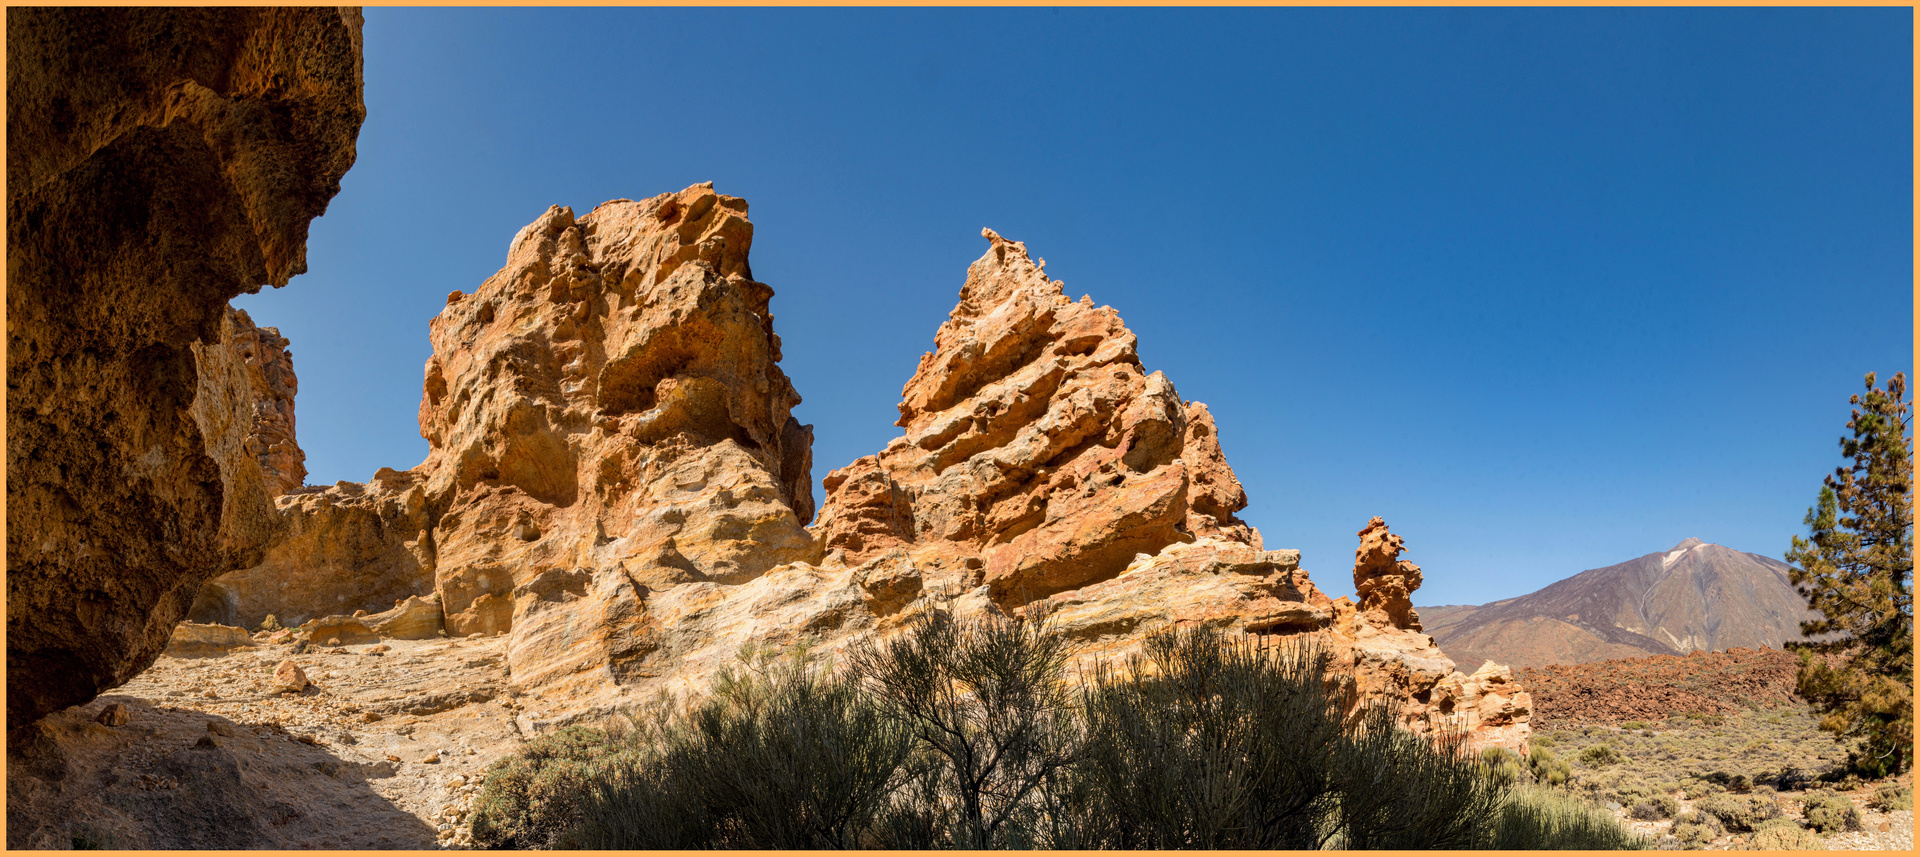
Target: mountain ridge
(1694, 596)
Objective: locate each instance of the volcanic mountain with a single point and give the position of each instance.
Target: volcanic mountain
(1694, 596)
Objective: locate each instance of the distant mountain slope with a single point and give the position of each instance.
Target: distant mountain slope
(1696, 596)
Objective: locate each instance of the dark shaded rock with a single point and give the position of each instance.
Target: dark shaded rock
(160, 162)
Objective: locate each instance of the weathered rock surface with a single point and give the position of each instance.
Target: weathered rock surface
(347, 547)
(615, 482)
(193, 638)
(160, 161)
(1039, 455)
(252, 366)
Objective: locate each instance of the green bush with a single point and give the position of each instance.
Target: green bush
(1830, 813)
(1656, 809)
(958, 734)
(1703, 788)
(1633, 725)
(1599, 756)
(1536, 818)
(1783, 835)
(1696, 829)
(1500, 765)
(1547, 769)
(1888, 797)
(1739, 812)
(1542, 740)
(532, 799)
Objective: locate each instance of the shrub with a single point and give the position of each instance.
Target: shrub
(1632, 725)
(1830, 813)
(1698, 828)
(1500, 765)
(993, 719)
(1205, 743)
(1198, 742)
(1548, 769)
(1599, 756)
(1656, 809)
(1889, 797)
(1542, 739)
(1739, 812)
(1783, 835)
(531, 800)
(785, 755)
(1535, 818)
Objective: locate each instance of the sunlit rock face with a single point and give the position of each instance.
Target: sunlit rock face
(1039, 456)
(616, 482)
(159, 162)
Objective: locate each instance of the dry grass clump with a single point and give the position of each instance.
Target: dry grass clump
(1698, 828)
(1783, 835)
(1740, 812)
(1658, 808)
(1828, 812)
(1889, 797)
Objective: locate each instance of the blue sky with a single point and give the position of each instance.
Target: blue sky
(1548, 289)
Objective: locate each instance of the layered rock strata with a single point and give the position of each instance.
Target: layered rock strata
(616, 483)
(160, 162)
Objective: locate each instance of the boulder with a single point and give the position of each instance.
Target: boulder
(414, 618)
(193, 638)
(190, 147)
(338, 631)
(288, 677)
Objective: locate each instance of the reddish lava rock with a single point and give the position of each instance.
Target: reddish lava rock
(1660, 686)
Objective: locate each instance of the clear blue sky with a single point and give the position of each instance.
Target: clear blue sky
(1548, 289)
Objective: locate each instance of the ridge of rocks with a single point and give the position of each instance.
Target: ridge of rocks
(616, 484)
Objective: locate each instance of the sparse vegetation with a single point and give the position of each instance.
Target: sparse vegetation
(966, 735)
(1828, 812)
(1739, 812)
(1889, 797)
(1783, 835)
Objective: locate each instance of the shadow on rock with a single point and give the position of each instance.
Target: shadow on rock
(173, 778)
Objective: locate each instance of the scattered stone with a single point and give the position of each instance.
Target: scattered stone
(370, 717)
(288, 677)
(380, 649)
(115, 714)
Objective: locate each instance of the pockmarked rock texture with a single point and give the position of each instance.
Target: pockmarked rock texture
(160, 162)
(1039, 455)
(347, 547)
(1384, 582)
(615, 482)
(252, 366)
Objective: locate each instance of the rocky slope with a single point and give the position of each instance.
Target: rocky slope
(160, 161)
(614, 506)
(616, 484)
(1661, 686)
(1694, 597)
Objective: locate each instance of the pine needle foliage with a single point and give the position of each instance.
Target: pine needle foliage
(1855, 569)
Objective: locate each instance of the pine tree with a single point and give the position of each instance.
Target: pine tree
(1856, 667)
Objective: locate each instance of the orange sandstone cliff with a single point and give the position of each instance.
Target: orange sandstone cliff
(616, 483)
